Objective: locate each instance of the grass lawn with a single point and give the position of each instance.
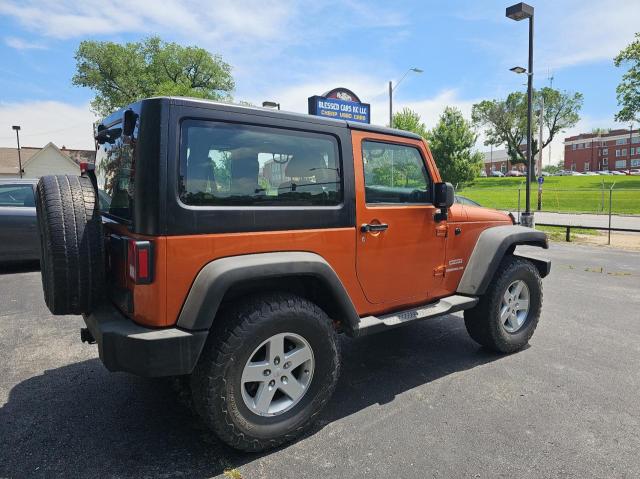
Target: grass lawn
(583, 194)
(558, 233)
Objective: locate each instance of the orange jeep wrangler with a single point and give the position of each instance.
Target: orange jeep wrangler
(230, 245)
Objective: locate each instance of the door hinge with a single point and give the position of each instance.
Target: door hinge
(439, 271)
(442, 230)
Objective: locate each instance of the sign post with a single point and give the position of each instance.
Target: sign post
(540, 182)
(340, 104)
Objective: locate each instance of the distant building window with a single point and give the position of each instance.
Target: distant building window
(605, 151)
(573, 167)
(621, 163)
(632, 151)
(623, 152)
(635, 139)
(586, 166)
(621, 141)
(574, 146)
(635, 162)
(503, 168)
(605, 162)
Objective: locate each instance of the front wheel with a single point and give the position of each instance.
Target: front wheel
(266, 372)
(507, 314)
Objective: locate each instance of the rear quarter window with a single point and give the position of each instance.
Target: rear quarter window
(224, 164)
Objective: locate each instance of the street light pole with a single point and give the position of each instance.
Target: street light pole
(518, 12)
(392, 89)
(17, 128)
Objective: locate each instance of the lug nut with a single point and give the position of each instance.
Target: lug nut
(267, 372)
(276, 360)
(272, 383)
(284, 380)
(287, 365)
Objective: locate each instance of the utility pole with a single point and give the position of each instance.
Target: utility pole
(540, 136)
(390, 104)
(17, 128)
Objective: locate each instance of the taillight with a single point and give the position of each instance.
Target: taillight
(140, 261)
(85, 167)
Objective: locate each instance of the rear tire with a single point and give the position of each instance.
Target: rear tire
(223, 397)
(71, 244)
(491, 324)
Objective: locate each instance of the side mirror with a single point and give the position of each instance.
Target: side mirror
(443, 195)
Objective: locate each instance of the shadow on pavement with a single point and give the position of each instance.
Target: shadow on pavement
(82, 421)
(19, 267)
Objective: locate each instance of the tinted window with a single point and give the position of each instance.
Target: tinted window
(17, 195)
(115, 170)
(394, 174)
(229, 164)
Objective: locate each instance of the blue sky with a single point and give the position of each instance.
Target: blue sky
(289, 50)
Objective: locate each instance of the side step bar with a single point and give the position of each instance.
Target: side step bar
(448, 305)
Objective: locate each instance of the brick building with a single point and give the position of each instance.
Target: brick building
(613, 150)
(498, 160)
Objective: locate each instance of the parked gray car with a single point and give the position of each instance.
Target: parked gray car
(19, 238)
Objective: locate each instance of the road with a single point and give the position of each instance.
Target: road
(420, 401)
(617, 221)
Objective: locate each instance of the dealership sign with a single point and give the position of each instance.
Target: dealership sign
(340, 104)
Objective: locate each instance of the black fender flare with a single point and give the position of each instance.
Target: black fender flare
(217, 277)
(491, 247)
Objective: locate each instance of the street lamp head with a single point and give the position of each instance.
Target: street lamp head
(270, 104)
(15, 127)
(417, 70)
(519, 11)
(518, 70)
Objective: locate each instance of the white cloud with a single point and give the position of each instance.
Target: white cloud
(45, 121)
(21, 44)
(575, 32)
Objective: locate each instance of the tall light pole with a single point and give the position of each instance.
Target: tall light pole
(518, 12)
(17, 128)
(393, 88)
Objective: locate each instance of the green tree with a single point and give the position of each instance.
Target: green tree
(451, 142)
(409, 120)
(505, 121)
(628, 91)
(124, 73)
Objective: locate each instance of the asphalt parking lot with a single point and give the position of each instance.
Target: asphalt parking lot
(420, 401)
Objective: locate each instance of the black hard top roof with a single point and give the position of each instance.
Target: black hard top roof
(269, 112)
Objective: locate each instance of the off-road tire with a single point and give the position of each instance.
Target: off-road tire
(483, 322)
(215, 382)
(71, 244)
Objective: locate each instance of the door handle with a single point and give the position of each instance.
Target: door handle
(373, 228)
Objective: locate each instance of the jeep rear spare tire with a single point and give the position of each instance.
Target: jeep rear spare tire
(71, 244)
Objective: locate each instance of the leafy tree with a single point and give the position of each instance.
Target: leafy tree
(409, 120)
(628, 91)
(505, 121)
(124, 73)
(451, 142)
(553, 168)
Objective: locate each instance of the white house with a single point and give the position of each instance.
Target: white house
(37, 162)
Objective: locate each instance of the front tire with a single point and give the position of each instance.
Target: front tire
(507, 314)
(267, 370)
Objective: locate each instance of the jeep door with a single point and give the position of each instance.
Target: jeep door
(400, 247)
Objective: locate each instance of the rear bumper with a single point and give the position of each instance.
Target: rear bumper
(126, 346)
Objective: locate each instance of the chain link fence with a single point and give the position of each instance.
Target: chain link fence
(606, 200)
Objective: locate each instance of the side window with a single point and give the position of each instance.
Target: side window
(394, 174)
(224, 164)
(17, 195)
